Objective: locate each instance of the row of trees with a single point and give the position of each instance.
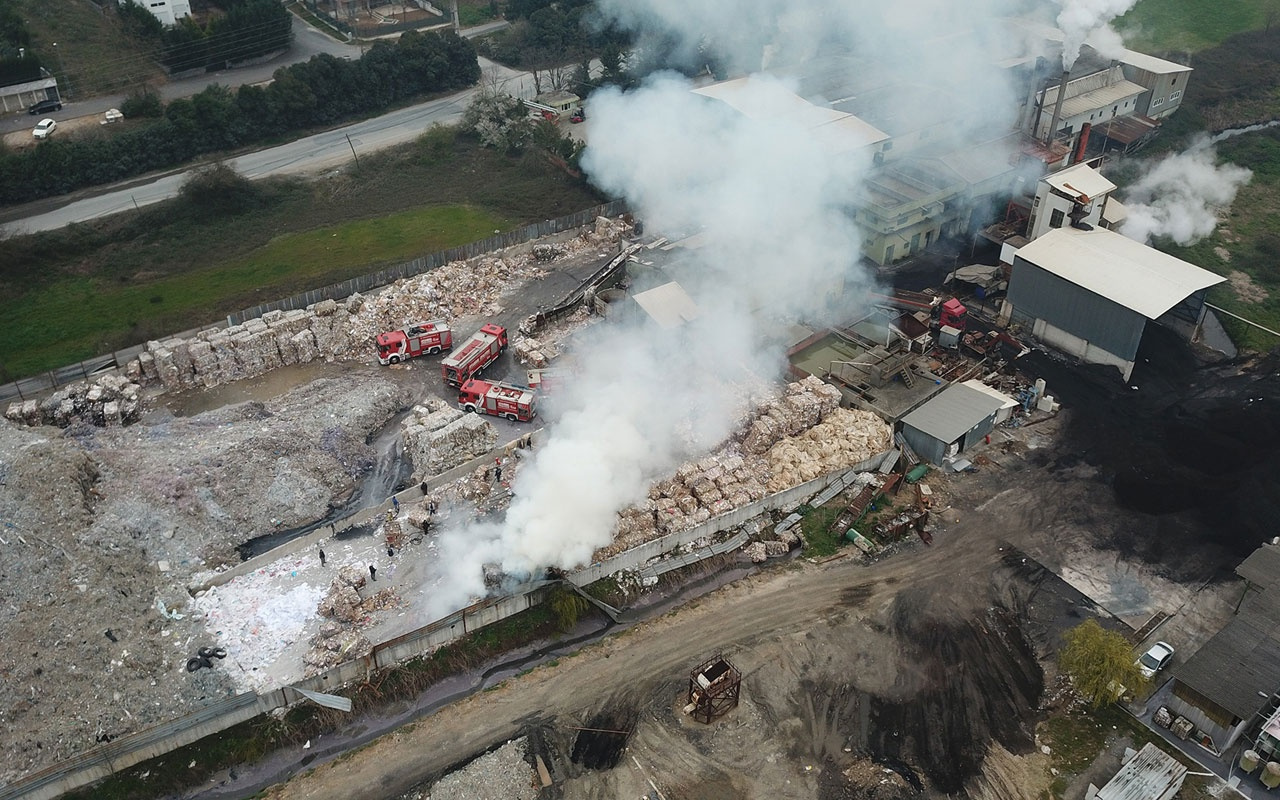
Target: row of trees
(319, 92)
(245, 29)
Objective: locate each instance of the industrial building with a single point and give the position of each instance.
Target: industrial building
(1233, 680)
(1091, 294)
(955, 420)
(668, 306)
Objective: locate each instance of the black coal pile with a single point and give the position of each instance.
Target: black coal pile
(1194, 448)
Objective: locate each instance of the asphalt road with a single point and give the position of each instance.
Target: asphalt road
(307, 42)
(322, 151)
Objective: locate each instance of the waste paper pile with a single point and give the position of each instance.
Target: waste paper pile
(110, 401)
(438, 437)
(786, 440)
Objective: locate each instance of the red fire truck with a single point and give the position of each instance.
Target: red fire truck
(418, 339)
(547, 381)
(478, 352)
(516, 403)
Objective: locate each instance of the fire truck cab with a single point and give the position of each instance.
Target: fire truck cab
(516, 403)
(420, 338)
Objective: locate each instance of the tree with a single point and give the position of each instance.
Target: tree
(1099, 661)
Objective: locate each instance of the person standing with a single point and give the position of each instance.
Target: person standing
(395, 504)
(322, 556)
(373, 573)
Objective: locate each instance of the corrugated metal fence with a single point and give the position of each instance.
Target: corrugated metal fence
(38, 385)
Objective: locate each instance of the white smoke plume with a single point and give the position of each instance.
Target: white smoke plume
(1089, 21)
(770, 195)
(1181, 195)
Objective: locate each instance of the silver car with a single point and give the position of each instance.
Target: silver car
(1155, 659)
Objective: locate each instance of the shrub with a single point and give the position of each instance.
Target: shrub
(218, 190)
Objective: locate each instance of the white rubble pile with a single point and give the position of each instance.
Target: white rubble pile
(504, 774)
(344, 611)
(844, 438)
(256, 623)
(536, 353)
(438, 437)
(469, 288)
(109, 401)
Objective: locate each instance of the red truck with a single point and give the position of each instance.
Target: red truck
(418, 339)
(478, 352)
(516, 403)
(943, 312)
(547, 381)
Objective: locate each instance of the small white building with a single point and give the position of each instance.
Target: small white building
(167, 11)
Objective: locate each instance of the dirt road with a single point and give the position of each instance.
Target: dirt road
(820, 646)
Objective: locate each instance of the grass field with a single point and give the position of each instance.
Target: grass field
(92, 55)
(1187, 26)
(1246, 245)
(93, 288)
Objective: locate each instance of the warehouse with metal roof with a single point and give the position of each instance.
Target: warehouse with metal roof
(1235, 675)
(1091, 294)
(953, 421)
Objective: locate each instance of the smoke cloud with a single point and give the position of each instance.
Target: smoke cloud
(1089, 21)
(769, 192)
(1181, 195)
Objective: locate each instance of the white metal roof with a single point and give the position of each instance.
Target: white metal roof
(1080, 179)
(1005, 400)
(839, 131)
(668, 305)
(1111, 95)
(1114, 212)
(1149, 775)
(1116, 267)
(1151, 63)
(953, 412)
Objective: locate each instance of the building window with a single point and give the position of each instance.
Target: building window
(1159, 101)
(1114, 109)
(1056, 218)
(1174, 96)
(1175, 81)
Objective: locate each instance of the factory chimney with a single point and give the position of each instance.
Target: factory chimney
(1083, 143)
(1057, 108)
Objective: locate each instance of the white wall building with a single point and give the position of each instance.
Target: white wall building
(167, 11)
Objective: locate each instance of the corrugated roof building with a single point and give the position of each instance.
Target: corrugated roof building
(1151, 774)
(954, 420)
(1235, 676)
(1091, 293)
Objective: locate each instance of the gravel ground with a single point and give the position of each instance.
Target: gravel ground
(501, 775)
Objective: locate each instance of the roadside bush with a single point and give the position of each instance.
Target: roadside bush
(143, 102)
(217, 189)
(322, 91)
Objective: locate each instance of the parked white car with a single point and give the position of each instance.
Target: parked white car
(1155, 659)
(43, 128)
(112, 115)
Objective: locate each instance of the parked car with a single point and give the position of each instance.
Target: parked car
(112, 115)
(44, 107)
(43, 128)
(1155, 659)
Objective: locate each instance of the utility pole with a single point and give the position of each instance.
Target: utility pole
(453, 10)
(353, 150)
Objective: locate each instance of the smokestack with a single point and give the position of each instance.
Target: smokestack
(1083, 143)
(1057, 108)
